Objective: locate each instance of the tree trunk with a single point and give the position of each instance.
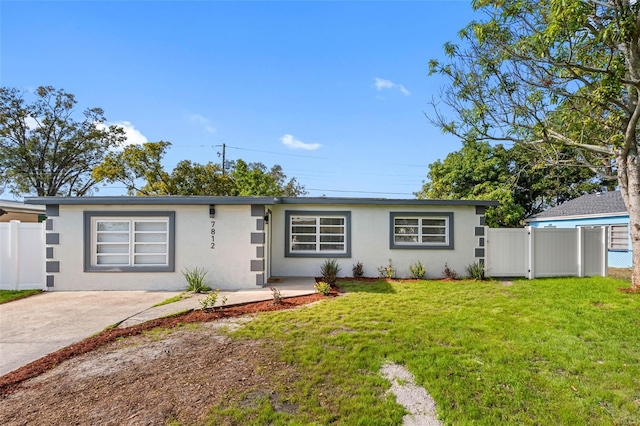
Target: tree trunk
(629, 183)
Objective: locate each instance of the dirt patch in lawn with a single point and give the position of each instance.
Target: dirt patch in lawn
(148, 378)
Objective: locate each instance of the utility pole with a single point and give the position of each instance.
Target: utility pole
(223, 160)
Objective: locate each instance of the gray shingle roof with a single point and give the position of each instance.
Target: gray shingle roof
(590, 204)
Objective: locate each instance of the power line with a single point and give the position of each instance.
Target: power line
(359, 192)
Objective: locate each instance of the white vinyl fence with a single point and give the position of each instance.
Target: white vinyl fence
(546, 252)
(22, 256)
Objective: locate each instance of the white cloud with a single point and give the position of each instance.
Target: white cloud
(382, 84)
(134, 137)
(293, 143)
(31, 123)
(202, 121)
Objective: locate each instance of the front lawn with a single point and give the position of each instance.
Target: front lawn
(548, 351)
(9, 295)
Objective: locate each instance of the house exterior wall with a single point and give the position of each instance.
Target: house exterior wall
(229, 262)
(370, 241)
(616, 259)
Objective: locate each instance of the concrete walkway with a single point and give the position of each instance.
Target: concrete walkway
(33, 327)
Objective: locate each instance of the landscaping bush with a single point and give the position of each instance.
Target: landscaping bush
(329, 271)
(322, 287)
(358, 270)
(449, 273)
(195, 279)
(476, 271)
(417, 270)
(387, 271)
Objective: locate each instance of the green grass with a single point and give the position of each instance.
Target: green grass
(548, 351)
(9, 295)
(173, 299)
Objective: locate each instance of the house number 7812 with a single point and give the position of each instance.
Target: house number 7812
(213, 234)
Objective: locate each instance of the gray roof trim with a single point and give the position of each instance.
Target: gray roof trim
(383, 201)
(150, 200)
(20, 207)
(197, 200)
(578, 216)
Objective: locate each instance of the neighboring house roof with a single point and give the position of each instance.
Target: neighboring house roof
(196, 200)
(20, 207)
(590, 205)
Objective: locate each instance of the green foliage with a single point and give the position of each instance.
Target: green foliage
(329, 271)
(387, 271)
(449, 273)
(417, 270)
(475, 271)
(44, 150)
(9, 295)
(358, 270)
(144, 163)
(196, 279)
(322, 287)
(488, 354)
(210, 300)
(173, 299)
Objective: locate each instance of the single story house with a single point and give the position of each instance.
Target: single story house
(17, 210)
(599, 209)
(144, 243)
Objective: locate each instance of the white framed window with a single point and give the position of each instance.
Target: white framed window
(115, 242)
(317, 234)
(618, 237)
(421, 230)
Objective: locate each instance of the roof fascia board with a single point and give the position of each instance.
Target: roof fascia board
(385, 201)
(150, 200)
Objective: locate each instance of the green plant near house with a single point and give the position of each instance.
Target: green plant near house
(277, 296)
(329, 271)
(387, 271)
(210, 301)
(449, 273)
(417, 270)
(322, 287)
(476, 271)
(196, 279)
(358, 270)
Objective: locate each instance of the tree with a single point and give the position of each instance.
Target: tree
(44, 150)
(553, 73)
(139, 168)
(512, 176)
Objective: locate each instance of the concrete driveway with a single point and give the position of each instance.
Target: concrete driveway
(36, 326)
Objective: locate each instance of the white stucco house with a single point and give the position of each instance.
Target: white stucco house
(144, 243)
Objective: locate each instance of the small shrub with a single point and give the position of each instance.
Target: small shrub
(449, 273)
(329, 271)
(358, 270)
(387, 271)
(476, 271)
(210, 301)
(277, 296)
(195, 279)
(322, 287)
(417, 270)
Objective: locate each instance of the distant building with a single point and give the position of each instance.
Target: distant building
(17, 210)
(600, 209)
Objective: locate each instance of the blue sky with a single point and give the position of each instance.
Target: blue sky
(270, 79)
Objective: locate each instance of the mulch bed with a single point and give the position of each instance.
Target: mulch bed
(11, 382)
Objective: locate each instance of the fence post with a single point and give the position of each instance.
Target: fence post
(531, 243)
(580, 251)
(605, 251)
(14, 269)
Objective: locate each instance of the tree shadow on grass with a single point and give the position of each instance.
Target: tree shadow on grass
(370, 286)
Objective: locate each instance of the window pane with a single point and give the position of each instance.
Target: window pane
(331, 221)
(113, 238)
(406, 238)
(619, 237)
(151, 226)
(433, 222)
(113, 260)
(400, 222)
(150, 260)
(303, 247)
(113, 248)
(433, 231)
(150, 248)
(304, 238)
(151, 237)
(113, 226)
(332, 230)
(303, 221)
(332, 238)
(303, 230)
(331, 247)
(406, 230)
(434, 239)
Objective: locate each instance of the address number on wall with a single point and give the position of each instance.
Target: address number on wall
(213, 234)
